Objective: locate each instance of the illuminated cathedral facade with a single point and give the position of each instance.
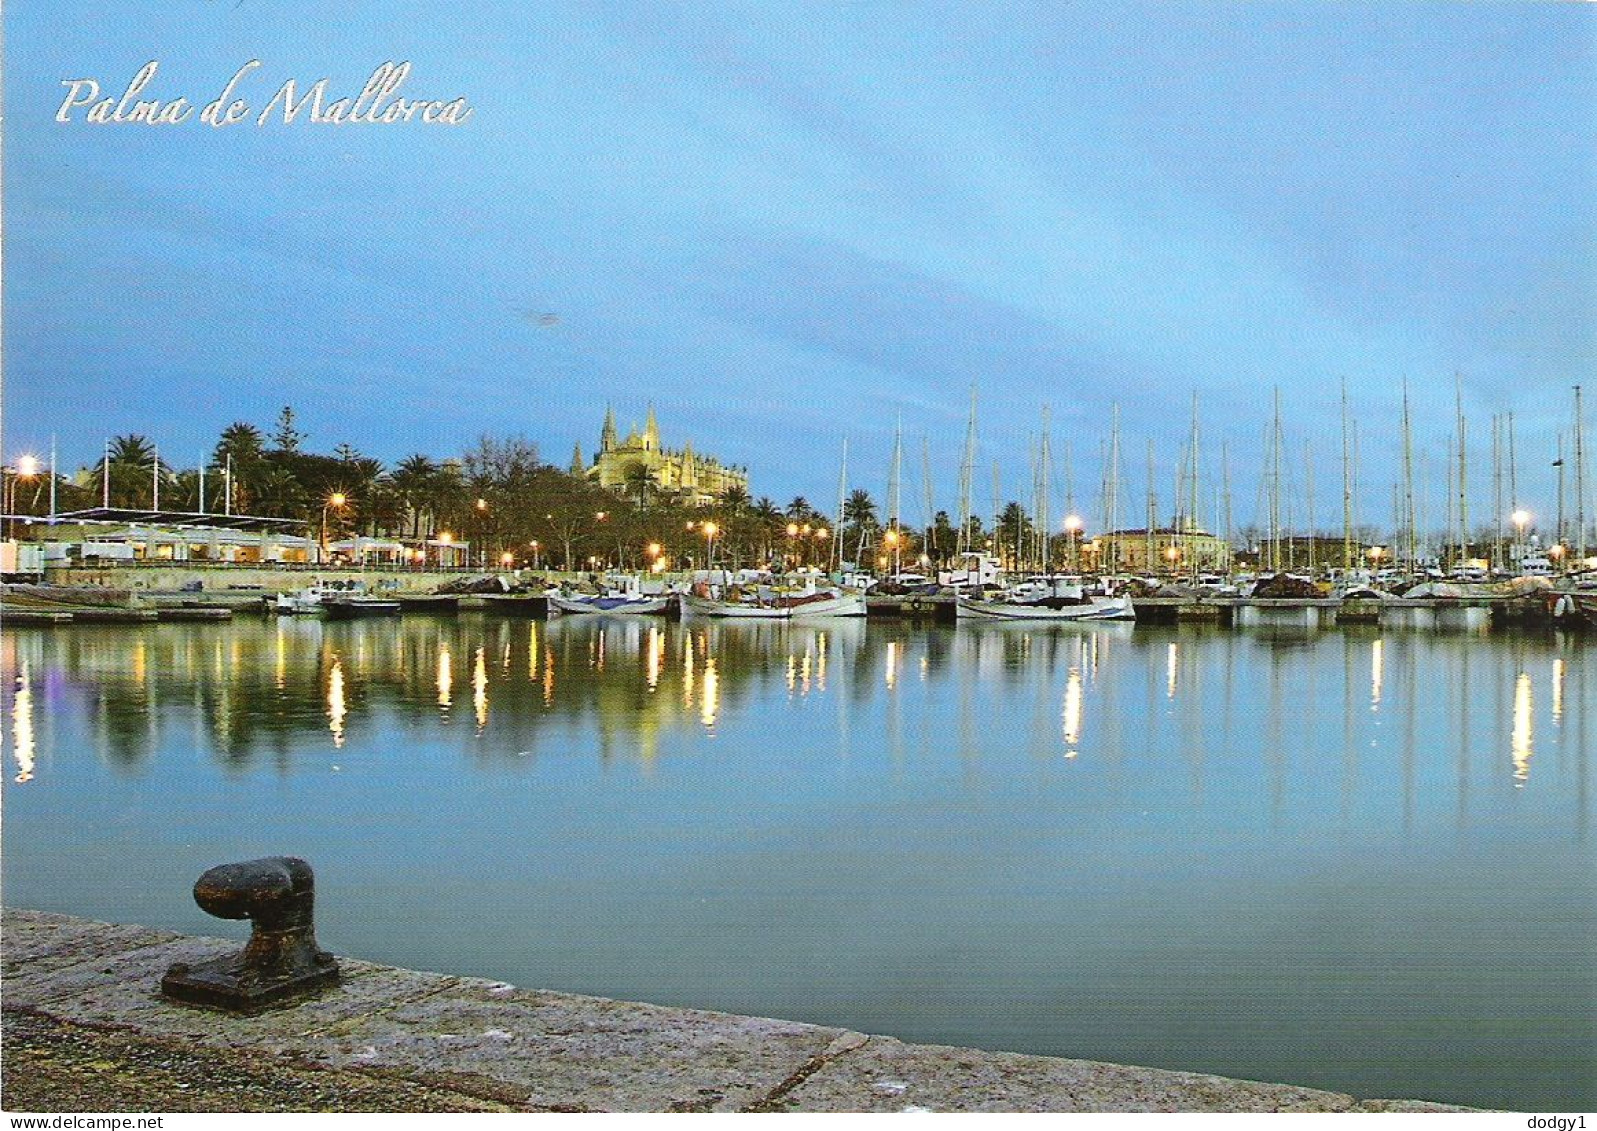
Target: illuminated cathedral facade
(639, 463)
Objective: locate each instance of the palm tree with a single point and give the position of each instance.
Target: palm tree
(768, 518)
(735, 498)
(413, 480)
(860, 512)
(799, 510)
(637, 478)
(133, 450)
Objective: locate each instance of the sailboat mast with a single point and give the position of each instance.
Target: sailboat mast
(1308, 488)
(1112, 511)
(1225, 485)
(967, 471)
(894, 478)
(1463, 470)
(1347, 490)
(926, 486)
(1192, 467)
(842, 501)
(1408, 483)
(1153, 508)
(1275, 486)
(1497, 490)
(1580, 485)
(1045, 473)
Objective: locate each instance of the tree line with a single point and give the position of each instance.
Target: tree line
(506, 503)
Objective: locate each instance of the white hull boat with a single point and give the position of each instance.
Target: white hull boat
(610, 604)
(799, 607)
(1095, 608)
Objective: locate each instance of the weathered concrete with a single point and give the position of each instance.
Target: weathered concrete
(85, 1030)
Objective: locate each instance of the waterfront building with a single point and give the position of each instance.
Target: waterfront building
(640, 463)
(120, 534)
(1161, 550)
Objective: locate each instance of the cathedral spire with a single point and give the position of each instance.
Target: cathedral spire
(607, 438)
(578, 466)
(651, 432)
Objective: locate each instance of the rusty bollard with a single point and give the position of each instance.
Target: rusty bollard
(281, 960)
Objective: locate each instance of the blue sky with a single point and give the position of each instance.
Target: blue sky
(788, 225)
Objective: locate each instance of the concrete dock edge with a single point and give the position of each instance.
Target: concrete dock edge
(84, 1029)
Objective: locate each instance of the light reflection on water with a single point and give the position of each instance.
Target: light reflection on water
(1222, 851)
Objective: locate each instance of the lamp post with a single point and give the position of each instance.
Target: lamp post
(27, 467)
(710, 531)
(335, 501)
(446, 541)
(892, 540)
(1520, 518)
(534, 547)
(1072, 532)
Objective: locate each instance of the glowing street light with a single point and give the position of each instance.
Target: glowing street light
(1073, 526)
(710, 531)
(335, 501)
(1520, 518)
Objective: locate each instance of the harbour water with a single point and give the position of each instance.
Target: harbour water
(1355, 858)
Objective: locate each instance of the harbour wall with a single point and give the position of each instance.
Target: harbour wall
(85, 1029)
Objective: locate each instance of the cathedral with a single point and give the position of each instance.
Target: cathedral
(682, 476)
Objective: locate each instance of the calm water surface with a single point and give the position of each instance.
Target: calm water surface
(1356, 859)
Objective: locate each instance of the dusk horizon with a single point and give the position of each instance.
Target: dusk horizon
(786, 249)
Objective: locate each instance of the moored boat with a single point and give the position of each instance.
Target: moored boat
(1091, 608)
(624, 596)
(777, 605)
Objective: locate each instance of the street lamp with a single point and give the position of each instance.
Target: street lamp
(27, 467)
(892, 540)
(710, 531)
(1520, 518)
(334, 501)
(534, 545)
(1072, 531)
(1556, 552)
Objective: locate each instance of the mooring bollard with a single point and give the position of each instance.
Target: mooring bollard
(281, 960)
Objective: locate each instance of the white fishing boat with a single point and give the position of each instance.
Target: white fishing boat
(339, 599)
(762, 603)
(1090, 608)
(623, 596)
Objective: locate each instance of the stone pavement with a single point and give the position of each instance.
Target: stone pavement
(84, 1029)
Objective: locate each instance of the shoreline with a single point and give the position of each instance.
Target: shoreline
(85, 1030)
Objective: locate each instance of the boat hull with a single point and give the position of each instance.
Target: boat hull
(609, 606)
(349, 610)
(839, 605)
(1100, 608)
